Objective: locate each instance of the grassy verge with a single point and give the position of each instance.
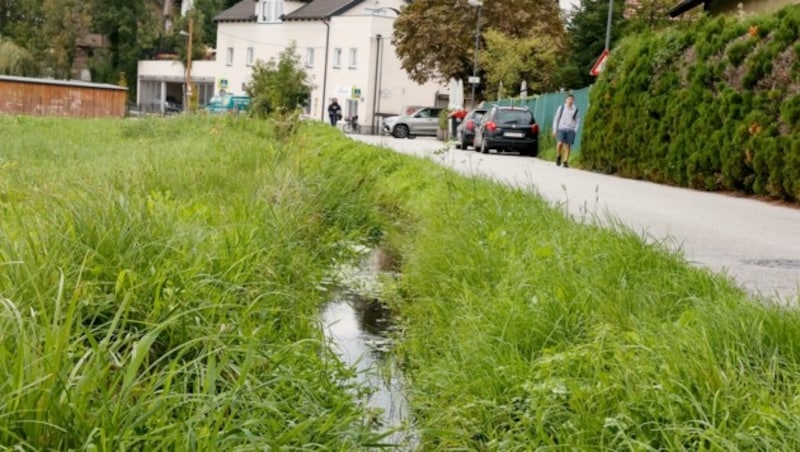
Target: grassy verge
(159, 287)
(526, 330)
(159, 284)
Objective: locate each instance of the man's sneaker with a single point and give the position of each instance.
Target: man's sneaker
(566, 164)
(558, 161)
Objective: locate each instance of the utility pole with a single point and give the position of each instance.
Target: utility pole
(608, 24)
(474, 80)
(188, 106)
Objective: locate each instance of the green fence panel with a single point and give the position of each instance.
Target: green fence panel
(544, 108)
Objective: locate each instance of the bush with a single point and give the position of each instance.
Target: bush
(708, 106)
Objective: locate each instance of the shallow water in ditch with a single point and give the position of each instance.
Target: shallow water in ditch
(357, 327)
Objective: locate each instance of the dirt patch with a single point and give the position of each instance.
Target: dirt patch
(781, 75)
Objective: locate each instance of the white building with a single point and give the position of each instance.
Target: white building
(345, 46)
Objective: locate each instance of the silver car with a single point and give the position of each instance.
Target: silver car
(420, 121)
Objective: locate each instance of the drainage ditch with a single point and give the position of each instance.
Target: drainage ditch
(358, 329)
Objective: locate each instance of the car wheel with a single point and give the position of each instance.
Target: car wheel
(533, 151)
(400, 131)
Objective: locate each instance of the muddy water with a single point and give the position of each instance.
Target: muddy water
(357, 327)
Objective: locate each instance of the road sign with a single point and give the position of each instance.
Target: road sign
(474, 80)
(600, 64)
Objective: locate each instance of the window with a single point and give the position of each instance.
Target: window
(353, 58)
(270, 11)
(337, 57)
(249, 58)
(229, 56)
(310, 57)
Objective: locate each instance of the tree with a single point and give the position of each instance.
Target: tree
(435, 40)
(586, 34)
(279, 87)
(130, 26)
(15, 60)
(209, 9)
(648, 15)
(65, 22)
(21, 22)
(511, 60)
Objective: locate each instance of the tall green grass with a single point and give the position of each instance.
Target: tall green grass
(160, 280)
(526, 330)
(159, 287)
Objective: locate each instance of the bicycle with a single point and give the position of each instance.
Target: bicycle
(351, 125)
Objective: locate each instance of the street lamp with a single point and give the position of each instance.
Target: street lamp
(188, 80)
(608, 23)
(474, 80)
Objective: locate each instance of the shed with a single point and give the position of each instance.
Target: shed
(48, 97)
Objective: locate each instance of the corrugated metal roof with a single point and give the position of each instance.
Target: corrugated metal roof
(50, 81)
(244, 11)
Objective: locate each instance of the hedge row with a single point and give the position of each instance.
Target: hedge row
(713, 105)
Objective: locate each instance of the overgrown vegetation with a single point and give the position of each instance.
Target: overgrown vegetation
(279, 87)
(714, 105)
(162, 294)
(159, 290)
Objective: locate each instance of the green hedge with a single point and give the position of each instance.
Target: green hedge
(713, 105)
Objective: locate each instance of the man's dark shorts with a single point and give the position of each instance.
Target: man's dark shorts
(566, 136)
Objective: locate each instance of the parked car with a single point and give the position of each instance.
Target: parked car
(507, 128)
(465, 132)
(420, 121)
(228, 104)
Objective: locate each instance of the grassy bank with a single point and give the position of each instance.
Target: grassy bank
(159, 284)
(159, 287)
(526, 330)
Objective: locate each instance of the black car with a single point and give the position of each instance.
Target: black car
(465, 132)
(507, 128)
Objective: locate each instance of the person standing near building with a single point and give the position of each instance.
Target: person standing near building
(334, 111)
(565, 127)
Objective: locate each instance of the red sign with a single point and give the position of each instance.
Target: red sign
(600, 64)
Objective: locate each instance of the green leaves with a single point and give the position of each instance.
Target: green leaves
(279, 86)
(436, 40)
(727, 81)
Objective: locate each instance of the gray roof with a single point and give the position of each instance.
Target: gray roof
(321, 9)
(244, 11)
(50, 81)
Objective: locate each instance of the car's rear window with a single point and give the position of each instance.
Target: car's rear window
(514, 116)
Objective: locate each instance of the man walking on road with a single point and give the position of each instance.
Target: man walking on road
(565, 126)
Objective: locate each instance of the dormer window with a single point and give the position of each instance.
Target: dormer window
(270, 11)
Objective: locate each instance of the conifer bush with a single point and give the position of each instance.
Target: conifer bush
(712, 105)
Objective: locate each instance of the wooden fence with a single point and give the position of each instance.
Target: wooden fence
(43, 97)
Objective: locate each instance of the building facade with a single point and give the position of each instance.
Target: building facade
(344, 46)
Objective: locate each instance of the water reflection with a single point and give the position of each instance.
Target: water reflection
(357, 329)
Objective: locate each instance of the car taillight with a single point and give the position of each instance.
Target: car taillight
(535, 128)
(491, 126)
(470, 125)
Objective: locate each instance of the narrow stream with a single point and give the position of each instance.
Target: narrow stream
(357, 327)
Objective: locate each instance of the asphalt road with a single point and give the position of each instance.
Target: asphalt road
(755, 242)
